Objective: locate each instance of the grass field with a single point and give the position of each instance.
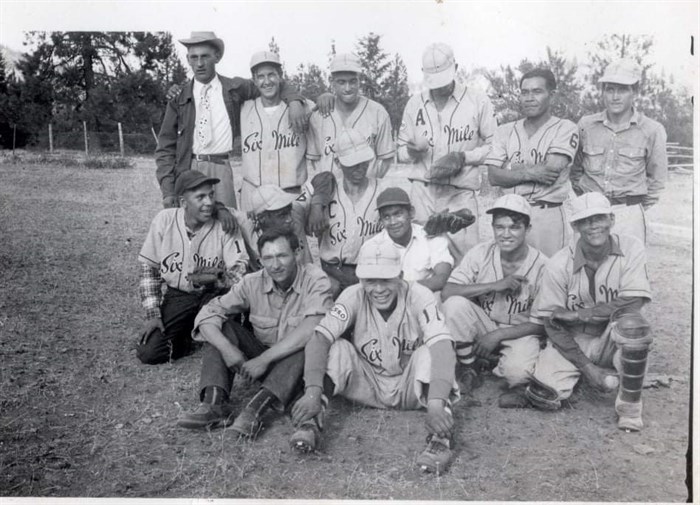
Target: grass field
(80, 416)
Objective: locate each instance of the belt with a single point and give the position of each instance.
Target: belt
(337, 264)
(545, 205)
(220, 159)
(626, 200)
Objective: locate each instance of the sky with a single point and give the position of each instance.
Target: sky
(482, 34)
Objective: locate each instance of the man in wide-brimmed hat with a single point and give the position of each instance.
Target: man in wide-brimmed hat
(203, 119)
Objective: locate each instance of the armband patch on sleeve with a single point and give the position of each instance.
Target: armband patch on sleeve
(339, 311)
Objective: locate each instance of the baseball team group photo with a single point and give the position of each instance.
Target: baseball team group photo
(337, 282)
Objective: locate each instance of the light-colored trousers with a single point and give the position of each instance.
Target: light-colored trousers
(550, 230)
(466, 321)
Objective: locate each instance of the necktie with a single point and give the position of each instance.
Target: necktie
(204, 133)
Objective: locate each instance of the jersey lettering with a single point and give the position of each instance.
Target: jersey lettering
(339, 311)
(372, 352)
(368, 228)
(283, 141)
(170, 263)
(251, 143)
(403, 346)
(516, 306)
(573, 142)
(609, 293)
(461, 134)
(419, 118)
(536, 156)
(329, 146)
(574, 302)
(201, 261)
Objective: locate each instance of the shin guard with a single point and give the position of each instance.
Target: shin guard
(631, 333)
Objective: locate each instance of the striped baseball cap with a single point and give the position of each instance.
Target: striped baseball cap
(346, 62)
(264, 57)
(439, 66)
(624, 71)
(374, 261)
(589, 204)
(352, 148)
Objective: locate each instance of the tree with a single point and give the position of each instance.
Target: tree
(310, 80)
(375, 65)
(395, 93)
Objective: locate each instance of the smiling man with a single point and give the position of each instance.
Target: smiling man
(203, 118)
(623, 152)
(283, 302)
(589, 303)
(181, 244)
(489, 294)
(424, 259)
(273, 153)
(531, 157)
(352, 111)
(398, 355)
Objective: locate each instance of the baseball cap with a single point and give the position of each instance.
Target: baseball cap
(192, 179)
(204, 38)
(352, 148)
(589, 204)
(264, 57)
(392, 196)
(269, 197)
(512, 202)
(438, 66)
(624, 71)
(347, 62)
(375, 261)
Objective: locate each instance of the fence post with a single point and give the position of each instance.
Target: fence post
(14, 138)
(85, 136)
(50, 138)
(121, 140)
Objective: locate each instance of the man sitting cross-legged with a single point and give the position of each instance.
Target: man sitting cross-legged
(487, 299)
(399, 355)
(284, 302)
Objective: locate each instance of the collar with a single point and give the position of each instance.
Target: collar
(457, 93)
(188, 93)
(602, 117)
(197, 86)
(580, 260)
(268, 284)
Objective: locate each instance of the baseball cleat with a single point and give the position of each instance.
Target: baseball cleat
(207, 416)
(437, 455)
(247, 424)
(306, 438)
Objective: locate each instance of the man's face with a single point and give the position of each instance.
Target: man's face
(280, 218)
(382, 293)
(618, 98)
(198, 203)
(444, 91)
(279, 261)
(346, 86)
(267, 79)
(534, 97)
(595, 230)
(397, 221)
(508, 234)
(202, 59)
(355, 174)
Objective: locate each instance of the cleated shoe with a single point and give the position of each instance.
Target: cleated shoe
(629, 415)
(306, 438)
(207, 416)
(247, 424)
(437, 456)
(514, 399)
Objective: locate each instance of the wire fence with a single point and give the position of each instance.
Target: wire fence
(102, 142)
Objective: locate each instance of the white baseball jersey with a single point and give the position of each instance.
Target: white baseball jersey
(421, 255)
(168, 248)
(482, 264)
(565, 283)
(467, 122)
(272, 152)
(512, 144)
(387, 345)
(350, 224)
(369, 118)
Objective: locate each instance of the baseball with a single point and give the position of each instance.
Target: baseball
(611, 382)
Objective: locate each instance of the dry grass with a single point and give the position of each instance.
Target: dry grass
(79, 416)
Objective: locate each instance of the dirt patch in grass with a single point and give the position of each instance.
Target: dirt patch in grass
(79, 416)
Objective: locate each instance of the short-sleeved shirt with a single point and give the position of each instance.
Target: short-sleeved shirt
(273, 313)
(369, 117)
(565, 283)
(467, 122)
(512, 144)
(482, 264)
(387, 345)
(421, 255)
(272, 152)
(625, 162)
(350, 224)
(169, 249)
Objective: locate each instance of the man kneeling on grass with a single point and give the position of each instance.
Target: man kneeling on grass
(399, 355)
(284, 302)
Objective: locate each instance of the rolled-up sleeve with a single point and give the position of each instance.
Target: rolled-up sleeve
(218, 309)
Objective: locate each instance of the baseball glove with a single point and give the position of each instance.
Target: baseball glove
(206, 276)
(449, 165)
(448, 222)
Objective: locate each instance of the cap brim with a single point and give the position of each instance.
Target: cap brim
(357, 157)
(439, 79)
(627, 81)
(377, 271)
(591, 211)
(524, 212)
(395, 202)
(354, 70)
(218, 43)
(281, 202)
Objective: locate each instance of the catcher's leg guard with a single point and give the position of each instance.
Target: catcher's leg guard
(542, 396)
(630, 332)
